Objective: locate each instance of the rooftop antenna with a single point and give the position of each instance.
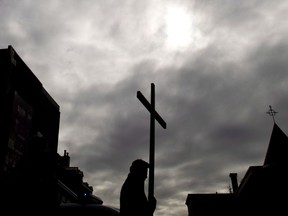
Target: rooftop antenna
(272, 112)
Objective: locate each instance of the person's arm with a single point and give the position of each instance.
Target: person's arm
(152, 203)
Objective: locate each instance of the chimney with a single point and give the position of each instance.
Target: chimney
(66, 159)
(234, 181)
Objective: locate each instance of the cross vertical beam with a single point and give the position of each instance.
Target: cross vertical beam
(153, 115)
(152, 145)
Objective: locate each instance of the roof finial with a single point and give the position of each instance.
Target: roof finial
(272, 112)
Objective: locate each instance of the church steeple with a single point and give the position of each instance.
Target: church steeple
(278, 147)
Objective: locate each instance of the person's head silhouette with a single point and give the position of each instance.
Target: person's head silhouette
(139, 168)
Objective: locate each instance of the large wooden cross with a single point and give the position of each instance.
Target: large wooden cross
(153, 115)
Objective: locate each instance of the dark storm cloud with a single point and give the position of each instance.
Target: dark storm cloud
(212, 114)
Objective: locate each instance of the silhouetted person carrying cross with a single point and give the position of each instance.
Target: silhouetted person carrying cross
(133, 200)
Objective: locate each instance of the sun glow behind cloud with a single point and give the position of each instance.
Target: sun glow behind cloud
(178, 27)
(183, 29)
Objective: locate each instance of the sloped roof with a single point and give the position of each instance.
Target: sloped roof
(210, 204)
(277, 149)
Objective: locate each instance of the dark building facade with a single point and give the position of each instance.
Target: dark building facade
(261, 192)
(32, 173)
(29, 126)
(27, 112)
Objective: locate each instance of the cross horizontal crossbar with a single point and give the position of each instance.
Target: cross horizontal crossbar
(144, 101)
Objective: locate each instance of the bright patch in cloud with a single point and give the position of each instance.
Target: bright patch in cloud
(178, 27)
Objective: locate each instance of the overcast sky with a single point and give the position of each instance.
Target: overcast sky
(217, 65)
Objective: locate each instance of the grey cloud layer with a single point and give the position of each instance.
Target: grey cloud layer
(214, 99)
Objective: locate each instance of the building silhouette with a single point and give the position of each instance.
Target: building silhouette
(71, 187)
(32, 173)
(261, 191)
